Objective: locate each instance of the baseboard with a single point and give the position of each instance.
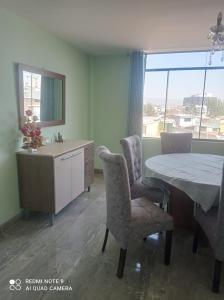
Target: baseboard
(10, 222)
(18, 216)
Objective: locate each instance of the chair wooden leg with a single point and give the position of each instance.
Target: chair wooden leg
(217, 276)
(168, 209)
(168, 247)
(121, 263)
(195, 240)
(105, 239)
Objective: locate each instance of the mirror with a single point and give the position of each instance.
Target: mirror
(42, 92)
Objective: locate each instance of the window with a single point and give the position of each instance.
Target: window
(183, 94)
(32, 88)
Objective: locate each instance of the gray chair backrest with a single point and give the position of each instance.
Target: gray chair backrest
(132, 149)
(219, 246)
(117, 194)
(175, 142)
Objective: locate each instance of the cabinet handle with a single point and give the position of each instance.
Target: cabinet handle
(70, 156)
(65, 158)
(74, 155)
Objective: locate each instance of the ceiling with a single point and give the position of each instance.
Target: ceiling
(116, 26)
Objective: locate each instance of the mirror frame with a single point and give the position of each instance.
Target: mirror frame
(41, 71)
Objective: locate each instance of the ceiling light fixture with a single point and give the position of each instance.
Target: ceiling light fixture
(216, 36)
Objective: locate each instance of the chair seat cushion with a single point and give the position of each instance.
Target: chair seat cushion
(208, 222)
(147, 218)
(140, 189)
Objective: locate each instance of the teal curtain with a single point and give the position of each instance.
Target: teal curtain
(136, 87)
(47, 100)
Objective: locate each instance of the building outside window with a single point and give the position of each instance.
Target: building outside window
(32, 92)
(183, 93)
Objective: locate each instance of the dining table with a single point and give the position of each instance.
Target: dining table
(197, 176)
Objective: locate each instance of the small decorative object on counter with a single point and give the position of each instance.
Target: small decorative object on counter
(32, 133)
(59, 138)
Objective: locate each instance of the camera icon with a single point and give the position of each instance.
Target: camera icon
(15, 284)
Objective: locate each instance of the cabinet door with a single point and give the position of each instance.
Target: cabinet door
(77, 163)
(62, 169)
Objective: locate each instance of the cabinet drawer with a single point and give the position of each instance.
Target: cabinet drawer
(69, 155)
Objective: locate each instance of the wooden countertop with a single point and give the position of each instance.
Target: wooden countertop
(57, 149)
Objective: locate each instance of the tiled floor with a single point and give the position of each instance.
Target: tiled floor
(70, 250)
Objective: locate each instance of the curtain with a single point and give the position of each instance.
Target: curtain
(47, 99)
(136, 87)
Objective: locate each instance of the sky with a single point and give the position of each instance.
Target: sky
(182, 83)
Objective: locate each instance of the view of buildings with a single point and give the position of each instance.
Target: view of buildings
(183, 93)
(32, 91)
(192, 115)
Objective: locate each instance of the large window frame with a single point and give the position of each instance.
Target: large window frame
(168, 70)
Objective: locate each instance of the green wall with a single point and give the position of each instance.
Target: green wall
(110, 76)
(110, 107)
(23, 42)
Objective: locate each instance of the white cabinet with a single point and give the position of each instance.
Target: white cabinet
(69, 177)
(54, 175)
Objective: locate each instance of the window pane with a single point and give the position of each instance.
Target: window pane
(36, 91)
(27, 84)
(184, 101)
(32, 88)
(182, 60)
(185, 109)
(212, 125)
(27, 90)
(154, 103)
(36, 86)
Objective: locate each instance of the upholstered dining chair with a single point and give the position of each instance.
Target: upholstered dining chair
(175, 142)
(128, 219)
(150, 188)
(212, 224)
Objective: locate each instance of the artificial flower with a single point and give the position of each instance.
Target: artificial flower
(29, 112)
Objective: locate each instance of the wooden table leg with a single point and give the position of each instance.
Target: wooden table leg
(182, 209)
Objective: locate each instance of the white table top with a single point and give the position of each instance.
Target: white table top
(198, 175)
